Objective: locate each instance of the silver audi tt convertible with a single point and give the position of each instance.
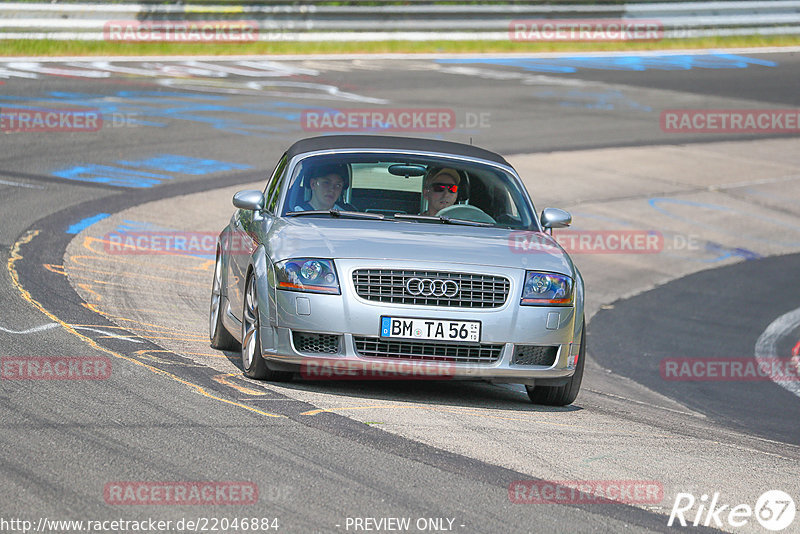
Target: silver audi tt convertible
(376, 257)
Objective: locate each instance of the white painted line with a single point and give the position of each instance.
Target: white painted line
(522, 77)
(107, 333)
(287, 89)
(19, 184)
(33, 330)
(750, 183)
(50, 326)
(766, 346)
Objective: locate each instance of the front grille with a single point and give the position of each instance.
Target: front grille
(372, 347)
(534, 355)
(389, 285)
(316, 343)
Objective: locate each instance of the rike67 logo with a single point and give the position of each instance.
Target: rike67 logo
(774, 510)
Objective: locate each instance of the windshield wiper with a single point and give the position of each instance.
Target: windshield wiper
(337, 213)
(440, 219)
(466, 222)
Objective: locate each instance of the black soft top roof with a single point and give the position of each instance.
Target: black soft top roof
(333, 142)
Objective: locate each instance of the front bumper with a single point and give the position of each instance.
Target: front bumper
(352, 318)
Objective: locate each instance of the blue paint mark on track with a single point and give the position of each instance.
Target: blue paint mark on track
(153, 108)
(571, 64)
(729, 252)
(184, 164)
(660, 203)
(609, 100)
(110, 175)
(130, 173)
(723, 252)
(136, 226)
(87, 222)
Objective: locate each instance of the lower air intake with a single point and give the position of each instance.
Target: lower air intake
(534, 355)
(316, 343)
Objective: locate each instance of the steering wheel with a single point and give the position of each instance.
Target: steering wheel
(466, 212)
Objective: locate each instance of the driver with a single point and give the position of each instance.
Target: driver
(440, 189)
(326, 183)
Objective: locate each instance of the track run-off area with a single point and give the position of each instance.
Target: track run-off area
(177, 137)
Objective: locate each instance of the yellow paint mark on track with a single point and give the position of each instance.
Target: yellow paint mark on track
(204, 266)
(174, 338)
(164, 330)
(350, 408)
(89, 241)
(58, 269)
(105, 283)
(137, 275)
(88, 288)
(225, 380)
(11, 264)
(111, 317)
(149, 354)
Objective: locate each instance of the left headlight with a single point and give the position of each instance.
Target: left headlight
(311, 275)
(546, 289)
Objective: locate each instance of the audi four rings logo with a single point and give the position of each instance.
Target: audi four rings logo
(432, 288)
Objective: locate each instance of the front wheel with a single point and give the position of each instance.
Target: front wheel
(221, 339)
(253, 363)
(566, 394)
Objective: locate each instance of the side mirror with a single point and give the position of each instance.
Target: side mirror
(249, 200)
(555, 218)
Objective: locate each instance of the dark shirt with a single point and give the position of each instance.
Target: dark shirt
(306, 206)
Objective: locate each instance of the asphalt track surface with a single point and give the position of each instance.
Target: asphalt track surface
(174, 410)
(718, 297)
(769, 86)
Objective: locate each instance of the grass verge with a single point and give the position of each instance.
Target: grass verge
(49, 48)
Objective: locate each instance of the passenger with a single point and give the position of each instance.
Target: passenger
(326, 184)
(440, 189)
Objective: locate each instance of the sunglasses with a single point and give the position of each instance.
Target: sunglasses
(438, 187)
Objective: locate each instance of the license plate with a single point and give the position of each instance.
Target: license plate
(433, 329)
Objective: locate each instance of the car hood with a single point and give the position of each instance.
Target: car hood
(414, 241)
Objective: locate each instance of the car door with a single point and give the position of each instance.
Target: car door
(245, 236)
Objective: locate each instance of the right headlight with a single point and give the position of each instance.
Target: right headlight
(310, 275)
(546, 289)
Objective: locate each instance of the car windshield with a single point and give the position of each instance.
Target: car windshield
(409, 188)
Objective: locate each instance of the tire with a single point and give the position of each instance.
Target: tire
(221, 339)
(566, 394)
(253, 363)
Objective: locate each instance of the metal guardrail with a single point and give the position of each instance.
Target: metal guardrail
(417, 21)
